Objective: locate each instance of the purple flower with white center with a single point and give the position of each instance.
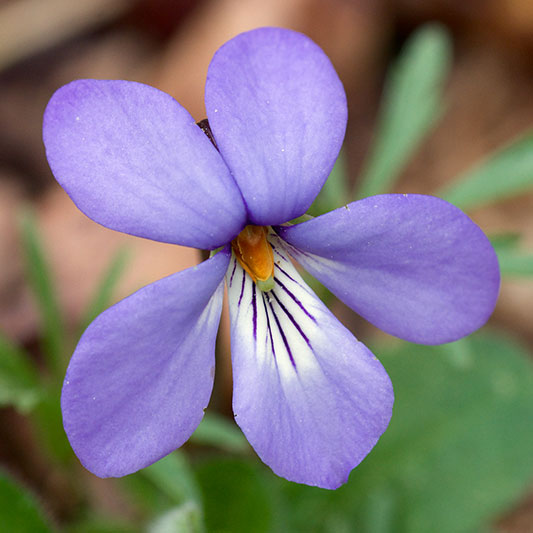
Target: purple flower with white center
(310, 398)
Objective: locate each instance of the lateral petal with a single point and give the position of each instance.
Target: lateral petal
(309, 397)
(415, 266)
(278, 112)
(132, 159)
(142, 374)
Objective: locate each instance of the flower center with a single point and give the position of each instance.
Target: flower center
(255, 255)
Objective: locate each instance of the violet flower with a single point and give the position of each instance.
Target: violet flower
(309, 397)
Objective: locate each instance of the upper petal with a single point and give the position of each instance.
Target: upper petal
(415, 266)
(278, 112)
(134, 160)
(309, 397)
(142, 374)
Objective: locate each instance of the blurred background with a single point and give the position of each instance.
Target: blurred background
(457, 456)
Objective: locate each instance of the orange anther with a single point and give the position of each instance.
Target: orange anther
(254, 252)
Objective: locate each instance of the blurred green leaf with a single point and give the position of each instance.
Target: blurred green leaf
(505, 242)
(103, 295)
(466, 456)
(19, 512)
(380, 509)
(144, 497)
(41, 282)
(457, 453)
(187, 518)
(173, 476)
(513, 261)
(504, 174)
(236, 497)
(412, 102)
(335, 192)
(516, 264)
(48, 419)
(216, 430)
(97, 524)
(19, 382)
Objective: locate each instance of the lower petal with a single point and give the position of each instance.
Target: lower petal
(309, 397)
(142, 373)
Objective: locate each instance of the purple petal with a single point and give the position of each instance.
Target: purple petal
(309, 397)
(134, 160)
(278, 112)
(415, 266)
(142, 374)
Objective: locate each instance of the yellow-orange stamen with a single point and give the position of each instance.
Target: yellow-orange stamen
(254, 252)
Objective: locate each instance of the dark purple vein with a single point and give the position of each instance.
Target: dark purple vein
(233, 271)
(295, 300)
(242, 286)
(282, 333)
(254, 310)
(286, 274)
(268, 327)
(281, 255)
(292, 319)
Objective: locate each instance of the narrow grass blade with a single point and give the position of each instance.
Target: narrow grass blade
(102, 298)
(412, 102)
(504, 174)
(514, 261)
(40, 279)
(19, 382)
(516, 264)
(334, 193)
